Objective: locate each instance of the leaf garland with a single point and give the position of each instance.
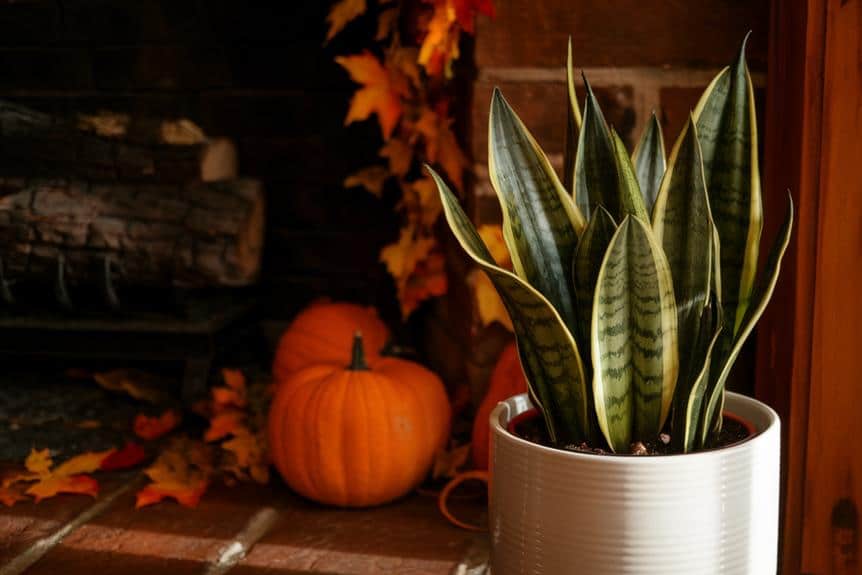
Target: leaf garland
(405, 83)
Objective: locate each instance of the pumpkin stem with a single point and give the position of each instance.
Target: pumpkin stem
(358, 362)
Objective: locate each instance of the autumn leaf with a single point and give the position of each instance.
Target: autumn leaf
(428, 200)
(9, 496)
(182, 473)
(404, 60)
(402, 256)
(371, 178)
(247, 457)
(440, 45)
(342, 14)
(68, 477)
(441, 145)
(386, 23)
(489, 306)
(150, 428)
(130, 455)
(75, 484)
(448, 462)
(428, 280)
(380, 94)
(400, 156)
(135, 383)
(234, 379)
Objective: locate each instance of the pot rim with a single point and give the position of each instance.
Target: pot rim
(505, 409)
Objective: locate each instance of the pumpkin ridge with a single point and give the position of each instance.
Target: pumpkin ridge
(314, 406)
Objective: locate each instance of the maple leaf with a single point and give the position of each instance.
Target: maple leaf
(380, 93)
(404, 60)
(151, 428)
(129, 456)
(371, 178)
(181, 472)
(402, 256)
(234, 392)
(342, 14)
(400, 156)
(247, 453)
(428, 200)
(386, 23)
(427, 280)
(441, 145)
(68, 477)
(224, 424)
(488, 304)
(418, 273)
(440, 45)
(135, 383)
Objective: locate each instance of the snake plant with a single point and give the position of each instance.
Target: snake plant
(635, 279)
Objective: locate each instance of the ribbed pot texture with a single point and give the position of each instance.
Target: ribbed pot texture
(556, 512)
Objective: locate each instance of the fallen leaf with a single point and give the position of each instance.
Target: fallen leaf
(130, 455)
(105, 124)
(371, 178)
(84, 463)
(248, 455)
(135, 383)
(380, 94)
(224, 424)
(75, 484)
(342, 14)
(68, 477)
(448, 462)
(181, 472)
(39, 461)
(153, 427)
(89, 424)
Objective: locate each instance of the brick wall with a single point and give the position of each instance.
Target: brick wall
(255, 72)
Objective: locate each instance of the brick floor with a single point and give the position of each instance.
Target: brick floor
(244, 530)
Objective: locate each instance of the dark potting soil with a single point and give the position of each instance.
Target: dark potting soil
(533, 429)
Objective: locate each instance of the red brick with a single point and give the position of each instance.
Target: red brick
(408, 537)
(621, 33)
(164, 538)
(542, 107)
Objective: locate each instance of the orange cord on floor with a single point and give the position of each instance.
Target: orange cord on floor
(444, 496)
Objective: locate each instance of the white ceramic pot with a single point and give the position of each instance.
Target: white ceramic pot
(557, 512)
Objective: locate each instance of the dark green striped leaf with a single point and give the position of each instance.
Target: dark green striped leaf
(573, 126)
(595, 164)
(727, 130)
(628, 190)
(549, 354)
(633, 337)
(759, 299)
(585, 269)
(540, 220)
(649, 161)
(683, 225)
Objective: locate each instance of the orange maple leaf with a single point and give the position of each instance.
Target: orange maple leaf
(372, 178)
(400, 156)
(151, 428)
(182, 473)
(342, 14)
(380, 94)
(441, 145)
(248, 453)
(440, 45)
(129, 456)
(68, 477)
(427, 280)
(9, 496)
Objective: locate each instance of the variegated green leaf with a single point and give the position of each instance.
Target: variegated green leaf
(633, 337)
(727, 130)
(683, 225)
(540, 220)
(595, 164)
(585, 269)
(548, 352)
(628, 190)
(573, 126)
(759, 299)
(649, 161)
(692, 384)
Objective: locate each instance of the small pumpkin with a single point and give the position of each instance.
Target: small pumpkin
(322, 334)
(360, 435)
(507, 379)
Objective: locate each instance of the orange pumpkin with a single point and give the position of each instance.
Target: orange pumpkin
(507, 380)
(323, 333)
(358, 436)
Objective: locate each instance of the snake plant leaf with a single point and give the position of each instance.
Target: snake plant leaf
(727, 130)
(628, 189)
(683, 225)
(692, 384)
(759, 299)
(549, 354)
(573, 125)
(540, 221)
(649, 161)
(591, 250)
(595, 163)
(633, 337)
